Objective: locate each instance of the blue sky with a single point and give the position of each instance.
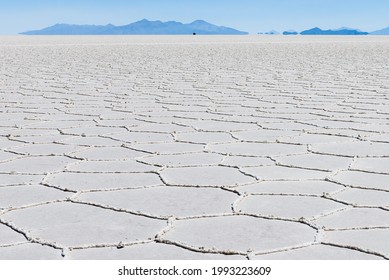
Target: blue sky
(247, 15)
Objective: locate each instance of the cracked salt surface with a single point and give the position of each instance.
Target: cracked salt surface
(252, 156)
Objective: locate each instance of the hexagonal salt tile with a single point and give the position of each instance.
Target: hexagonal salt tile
(375, 240)
(148, 251)
(291, 187)
(36, 165)
(362, 197)
(19, 179)
(292, 207)
(9, 236)
(117, 166)
(166, 201)
(257, 149)
(30, 251)
(384, 138)
(239, 234)
(315, 161)
(372, 165)
(246, 161)
(109, 153)
(169, 148)
(46, 149)
(71, 224)
(92, 130)
(98, 181)
(355, 218)
(41, 139)
(8, 144)
(262, 135)
(192, 159)
(204, 137)
(313, 139)
(142, 137)
(352, 149)
(205, 176)
(288, 125)
(59, 124)
(90, 141)
(363, 180)
(17, 196)
(161, 128)
(5, 156)
(284, 173)
(318, 252)
(222, 126)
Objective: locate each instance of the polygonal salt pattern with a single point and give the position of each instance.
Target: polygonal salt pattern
(84, 225)
(238, 234)
(127, 163)
(290, 207)
(166, 201)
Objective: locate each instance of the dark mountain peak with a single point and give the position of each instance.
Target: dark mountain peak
(199, 21)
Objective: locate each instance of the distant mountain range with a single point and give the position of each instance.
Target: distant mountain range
(289, 32)
(201, 27)
(143, 27)
(341, 31)
(384, 31)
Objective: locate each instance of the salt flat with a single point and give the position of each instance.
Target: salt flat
(194, 147)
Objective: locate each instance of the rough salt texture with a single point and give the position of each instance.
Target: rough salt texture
(194, 147)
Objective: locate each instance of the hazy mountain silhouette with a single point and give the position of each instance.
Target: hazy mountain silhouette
(384, 31)
(290, 32)
(340, 31)
(142, 27)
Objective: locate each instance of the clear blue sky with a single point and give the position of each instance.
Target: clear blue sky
(247, 15)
